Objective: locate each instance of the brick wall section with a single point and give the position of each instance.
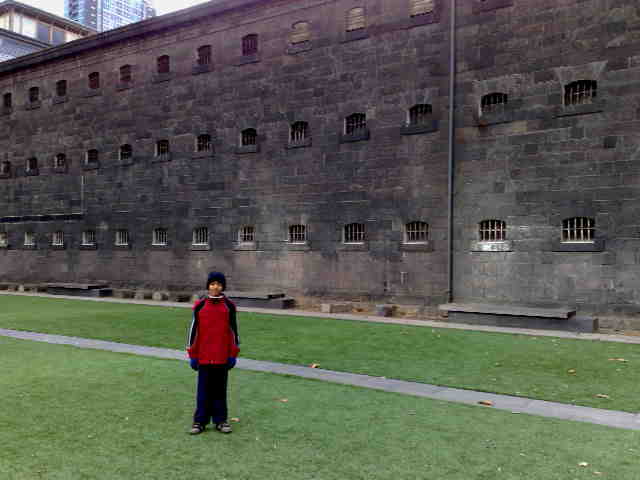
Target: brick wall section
(383, 182)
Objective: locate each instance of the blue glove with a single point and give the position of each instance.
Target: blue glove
(231, 362)
(193, 363)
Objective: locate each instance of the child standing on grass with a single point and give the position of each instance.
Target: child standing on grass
(212, 347)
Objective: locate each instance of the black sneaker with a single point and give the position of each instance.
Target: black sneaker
(223, 427)
(196, 429)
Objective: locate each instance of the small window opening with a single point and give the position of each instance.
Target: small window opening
(125, 74)
(94, 80)
(250, 44)
(204, 55)
(5, 167)
(297, 233)
(160, 236)
(203, 143)
(354, 233)
(420, 114)
(91, 157)
(201, 236)
(578, 230)
(355, 123)
(89, 237)
(122, 237)
(32, 164)
(60, 160)
(34, 94)
(126, 152)
(493, 102)
(580, 92)
(300, 33)
(299, 132)
(246, 234)
(162, 148)
(57, 240)
(7, 100)
(416, 232)
(29, 239)
(61, 88)
(421, 7)
(4, 239)
(164, 64)
(355, 19)
(249, 137)
(492, 231)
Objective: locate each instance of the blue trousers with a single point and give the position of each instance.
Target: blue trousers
(211, 400)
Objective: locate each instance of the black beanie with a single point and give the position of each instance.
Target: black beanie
(217, 277)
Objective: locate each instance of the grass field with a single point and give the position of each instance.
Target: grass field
(561, 370)
(70, 414)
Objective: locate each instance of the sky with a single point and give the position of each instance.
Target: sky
(162, 6)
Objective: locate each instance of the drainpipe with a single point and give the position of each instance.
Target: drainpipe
(452, 132)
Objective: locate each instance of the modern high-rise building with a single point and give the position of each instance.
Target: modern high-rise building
(108, 14)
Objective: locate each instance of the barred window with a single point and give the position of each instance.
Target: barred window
(164, 64)
(160, 236)
(201, 236)
(29, 239)
(492, 231)
(246, 234)
(92, 157)
(355, 123)
(493, 102)
(420, 114)
(94, 80)
(89, 237)
(60, 160)
(248, 137)
(162, 148)
(122, 237)
(580, 92)
(354, 233)
(203, 143)
(5, 167)
(32, 164)
(126, 152)
(416, 232)
(578, 229)
(297, 233)
(204, 55)
(300, 33)
(61, 88)
(250, 44)
(4, 239)
(421, 7)
(7, 100)
(299, 132)
(355, 19)
(57, 239)
(34, 94)
(125, 74)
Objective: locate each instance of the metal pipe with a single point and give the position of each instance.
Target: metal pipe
(452, 132)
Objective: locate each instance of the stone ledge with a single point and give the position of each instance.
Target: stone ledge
(515, 310)
(504, 246)
(596, 246)
(416, 129)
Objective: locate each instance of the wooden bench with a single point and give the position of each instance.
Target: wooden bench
(80, 289)
(517, 316)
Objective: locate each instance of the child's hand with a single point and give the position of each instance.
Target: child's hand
(193, 362)
(231, 362)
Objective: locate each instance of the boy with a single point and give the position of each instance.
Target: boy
(212, 347)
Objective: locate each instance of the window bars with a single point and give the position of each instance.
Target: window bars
(355, 19)
(60, 160)
(578, 229)
(355, 123)
(126, 152)
(34, 94)
(420, 114)
(204, 55)
(297, 233)
(250, 44)
(89, 237)
(160, 236)
(94, 80)
(125, 74)
(416, 232)
(299, 132)
(61, 88)
(492, 231)
(32, 164)
(247, 234)
(29, 239)
(580, 92)
(354, 233)
(203, 143)
(201, 236)
(122, 237)
(162, 148)
(493, 102)
(57, 240)
(248, 137)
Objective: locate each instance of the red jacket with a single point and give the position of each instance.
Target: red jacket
(213, 336)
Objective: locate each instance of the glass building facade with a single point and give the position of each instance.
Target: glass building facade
(108, 14)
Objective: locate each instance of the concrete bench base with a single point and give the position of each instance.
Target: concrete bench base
(79, 289)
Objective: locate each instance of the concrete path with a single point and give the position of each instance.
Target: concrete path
(512, 404)
(362, 318)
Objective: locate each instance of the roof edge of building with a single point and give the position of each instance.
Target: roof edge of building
(127, 32)
(23, 38)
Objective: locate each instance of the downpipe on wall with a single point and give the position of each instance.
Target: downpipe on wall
(451, 163)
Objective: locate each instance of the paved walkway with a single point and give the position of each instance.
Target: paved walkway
(363, 318)
(512, 404)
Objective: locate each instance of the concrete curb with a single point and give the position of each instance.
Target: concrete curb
(516, 405)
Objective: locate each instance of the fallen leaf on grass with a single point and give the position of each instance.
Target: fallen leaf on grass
(583, 464)
(235, 419)
(618, 360)
(571, 371)
(602, 395)
(283, 400)
(488, 403)
(314, 365)
(597, 473)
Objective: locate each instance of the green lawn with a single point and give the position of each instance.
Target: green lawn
(70, 414)
(536, 367)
